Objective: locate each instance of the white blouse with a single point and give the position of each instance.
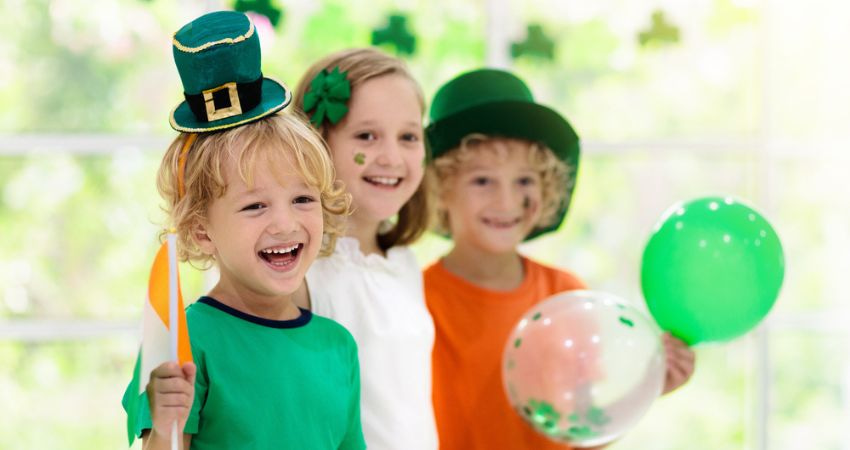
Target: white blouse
(381, 301)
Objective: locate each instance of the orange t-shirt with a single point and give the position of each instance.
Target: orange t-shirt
(472, 325)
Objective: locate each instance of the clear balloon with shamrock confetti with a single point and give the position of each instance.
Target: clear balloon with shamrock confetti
(582, 367)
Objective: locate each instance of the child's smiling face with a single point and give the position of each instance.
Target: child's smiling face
(378, 148)
(264, 234)
(493, 202)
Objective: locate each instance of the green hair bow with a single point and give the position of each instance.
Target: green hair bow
(327, 97)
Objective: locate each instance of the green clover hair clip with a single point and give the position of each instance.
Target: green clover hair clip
(327, 97)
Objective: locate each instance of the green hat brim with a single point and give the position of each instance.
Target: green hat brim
(511, 119)
(275, 97)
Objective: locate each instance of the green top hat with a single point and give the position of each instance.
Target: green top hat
(497, 103)
(218, 58)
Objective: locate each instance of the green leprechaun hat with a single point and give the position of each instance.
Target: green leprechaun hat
(218, 58)
(497, 103)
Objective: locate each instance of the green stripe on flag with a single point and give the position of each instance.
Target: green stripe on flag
(132, 400)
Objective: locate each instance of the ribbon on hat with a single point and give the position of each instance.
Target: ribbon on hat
(228, 100)
(327, 97)
(181, 164)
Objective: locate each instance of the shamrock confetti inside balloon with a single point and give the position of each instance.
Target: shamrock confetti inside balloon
(582, 367)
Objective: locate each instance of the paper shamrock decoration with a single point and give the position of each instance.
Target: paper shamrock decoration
(660, 32)
(536, 44)
(264, 7)
(396, 35)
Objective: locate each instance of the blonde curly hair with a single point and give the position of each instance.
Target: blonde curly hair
(555, 179)
(269, 142)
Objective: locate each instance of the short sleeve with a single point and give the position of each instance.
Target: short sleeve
(142, 413)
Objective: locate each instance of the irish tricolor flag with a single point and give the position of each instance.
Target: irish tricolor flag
(164, 333)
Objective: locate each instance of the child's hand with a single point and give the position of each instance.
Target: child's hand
(680, 362)
(171, 391)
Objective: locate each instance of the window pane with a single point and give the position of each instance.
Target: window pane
(65, 394)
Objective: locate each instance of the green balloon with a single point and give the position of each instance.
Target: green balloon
(711, 270)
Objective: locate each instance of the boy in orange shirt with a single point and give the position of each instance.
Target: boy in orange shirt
(503, 169)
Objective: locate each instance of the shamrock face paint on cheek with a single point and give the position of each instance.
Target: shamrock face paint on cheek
(526, 203)
(359, 159)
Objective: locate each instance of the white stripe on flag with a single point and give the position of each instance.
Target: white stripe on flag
(155, 343)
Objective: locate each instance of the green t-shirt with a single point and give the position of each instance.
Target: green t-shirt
(267, 384)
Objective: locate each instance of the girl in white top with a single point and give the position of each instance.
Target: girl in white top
(369, 109)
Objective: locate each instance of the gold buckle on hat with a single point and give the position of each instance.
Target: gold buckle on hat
(221, 113)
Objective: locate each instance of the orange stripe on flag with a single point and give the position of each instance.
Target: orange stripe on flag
(158, 290)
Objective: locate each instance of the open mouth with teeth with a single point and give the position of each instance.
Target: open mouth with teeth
(281, 257)
(501, 223)
(383, 181)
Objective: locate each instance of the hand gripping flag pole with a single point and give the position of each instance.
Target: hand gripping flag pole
(165, 336)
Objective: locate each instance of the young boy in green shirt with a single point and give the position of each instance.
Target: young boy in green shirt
(251, 191)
